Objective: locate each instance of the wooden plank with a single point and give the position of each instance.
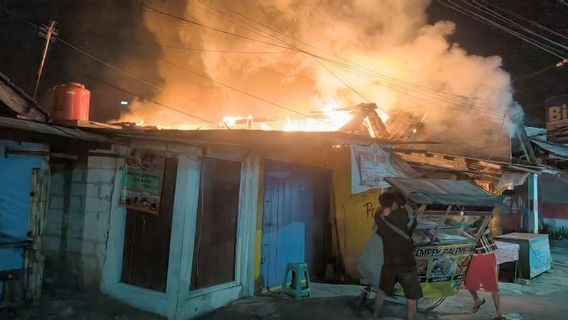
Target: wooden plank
(13, 100)
(35, 256)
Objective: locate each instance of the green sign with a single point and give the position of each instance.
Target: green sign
(142, 188)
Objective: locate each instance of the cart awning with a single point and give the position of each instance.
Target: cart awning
(443, 191)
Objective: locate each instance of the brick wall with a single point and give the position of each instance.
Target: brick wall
(78, 219)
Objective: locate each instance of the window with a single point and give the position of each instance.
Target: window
(147, 239)
(216, 228)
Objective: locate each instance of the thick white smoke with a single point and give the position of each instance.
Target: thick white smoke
(382, 51)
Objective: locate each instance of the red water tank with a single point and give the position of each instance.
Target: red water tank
(71, 102)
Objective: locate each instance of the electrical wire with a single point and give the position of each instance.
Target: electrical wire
(341, 80)
(219, 51)
(345, 64)
(291, 46)
(476, 16)
(144, 81)
(503, 18)
(119, 70)
(226, 85)
(479, 17)
(528, 20)
(157, 11)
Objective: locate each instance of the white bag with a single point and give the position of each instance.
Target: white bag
(371, 260)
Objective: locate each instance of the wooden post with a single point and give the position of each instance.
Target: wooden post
(35, 255)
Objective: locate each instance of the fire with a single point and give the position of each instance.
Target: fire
(331, 117)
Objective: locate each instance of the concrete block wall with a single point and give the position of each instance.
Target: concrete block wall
(100, 177)
(76, 237)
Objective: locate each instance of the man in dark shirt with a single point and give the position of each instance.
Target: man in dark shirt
(399, 263)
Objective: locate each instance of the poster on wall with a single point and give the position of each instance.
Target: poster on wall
(370, 165)
(142, 187)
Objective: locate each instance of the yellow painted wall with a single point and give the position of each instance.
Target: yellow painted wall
(354, 213)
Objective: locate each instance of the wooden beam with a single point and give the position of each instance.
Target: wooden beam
(41, 154)
(19, 102)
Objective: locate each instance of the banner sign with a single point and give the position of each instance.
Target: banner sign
(441, 268)
(443, 262)
(557, 119)
(370, 165)
(142, 187)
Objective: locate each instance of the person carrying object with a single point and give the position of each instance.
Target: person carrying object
(392, 223)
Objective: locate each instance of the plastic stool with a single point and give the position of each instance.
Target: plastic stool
(299, 272)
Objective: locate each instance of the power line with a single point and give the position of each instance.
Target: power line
(210, 27)
(346, 65)
(350, 67)
(529, 21)
(236, 89)
(495, 14)
(133, 76)
(341, 80)
(476, 16)
(290, 46)
(347, 62)
(108, 65)
(119, 70)
(479, 17)
(219, 51)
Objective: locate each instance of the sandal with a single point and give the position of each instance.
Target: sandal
(476, 308)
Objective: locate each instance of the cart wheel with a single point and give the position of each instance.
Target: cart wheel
(429, 304)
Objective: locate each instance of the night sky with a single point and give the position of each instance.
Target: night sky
(114, 31)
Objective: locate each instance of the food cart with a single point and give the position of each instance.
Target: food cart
(451, 216)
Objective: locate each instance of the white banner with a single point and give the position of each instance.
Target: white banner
(371, 165)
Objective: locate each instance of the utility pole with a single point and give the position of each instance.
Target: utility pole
(48, 33)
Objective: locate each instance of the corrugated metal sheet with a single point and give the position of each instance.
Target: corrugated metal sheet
(248, 138)
(442, 191)
(556, 149)
(19, 102)
(44, 129)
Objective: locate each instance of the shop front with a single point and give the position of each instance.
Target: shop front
(181, 237)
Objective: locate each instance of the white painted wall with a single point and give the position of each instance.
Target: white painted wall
(178, 302)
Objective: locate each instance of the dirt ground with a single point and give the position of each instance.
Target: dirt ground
(545, 297)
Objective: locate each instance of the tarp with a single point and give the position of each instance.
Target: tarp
(443, 191)
(510, 179)
(556, 149)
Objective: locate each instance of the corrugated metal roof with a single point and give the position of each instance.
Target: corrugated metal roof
(443, 191)
(44, 129)
(247, 138)
(20, 102)
(556, 149)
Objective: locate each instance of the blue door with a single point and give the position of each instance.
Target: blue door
(288, 211)
(16, 199)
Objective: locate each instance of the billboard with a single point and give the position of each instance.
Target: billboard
(557, 119)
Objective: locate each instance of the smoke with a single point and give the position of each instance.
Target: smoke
(362, 50)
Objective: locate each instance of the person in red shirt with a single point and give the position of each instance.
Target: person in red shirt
(482, 272)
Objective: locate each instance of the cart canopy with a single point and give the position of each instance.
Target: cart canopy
(443, 192)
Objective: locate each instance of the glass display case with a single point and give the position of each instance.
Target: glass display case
(451, 216)
(444, 244)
